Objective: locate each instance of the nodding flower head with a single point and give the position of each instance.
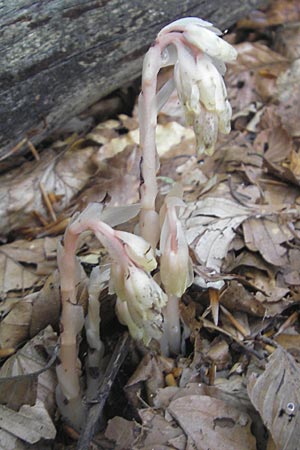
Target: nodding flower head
(140, 301)
(198, 73)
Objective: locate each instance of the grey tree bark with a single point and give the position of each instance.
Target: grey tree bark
(57, 57)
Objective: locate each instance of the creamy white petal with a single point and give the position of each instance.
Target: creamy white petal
(182, 24)
(126, 319)
(225, 118)
(211, 85)
(138, 250)
(210, 43)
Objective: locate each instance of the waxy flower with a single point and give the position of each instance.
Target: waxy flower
(198, 74)
(140, 301)
(176, 269)
(138, 250)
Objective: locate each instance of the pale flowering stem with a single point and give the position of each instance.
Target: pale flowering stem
(172, 333)
(72, 314)
(68, 335)
(149, 221)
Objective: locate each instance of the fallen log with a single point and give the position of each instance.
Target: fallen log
(59, 57)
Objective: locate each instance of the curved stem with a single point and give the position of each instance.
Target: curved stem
(149, 222)
(148, 109)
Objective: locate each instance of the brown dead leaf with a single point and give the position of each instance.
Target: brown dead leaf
(160, 431)
(122, 432)
(277, 13)
(281, 158)
(288, 97)
(14, 328)
(20, 192)
(290, 342)
(211, 229)
(31, 423)
(252, 78)
(39, 254)
(266, 237)
(287, 40)
(22, 379)
(237, 298)
(211, 423)
(117, 178)
(31, 314)
(275, 394)
(149, 374)
(15, 276)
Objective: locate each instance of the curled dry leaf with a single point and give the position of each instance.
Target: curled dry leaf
(211, 423)
(266, 236)
(277, 13)
(281, 158)
(20, 192)
(237, 298)
(211, 229)
(252, 77)
(39, 255)
(31, 314)
(160, 431)
(31, 423)
(122, 432)
(28, 387)
(117, 178)
(288, 96)
(149, 373)
(15, 276)
(25, 384)
(276, 396)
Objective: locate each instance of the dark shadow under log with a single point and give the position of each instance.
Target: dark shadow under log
(58, 57)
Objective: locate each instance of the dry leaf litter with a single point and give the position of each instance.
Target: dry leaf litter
(236, 385)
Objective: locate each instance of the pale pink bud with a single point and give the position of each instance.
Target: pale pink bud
(175, 265)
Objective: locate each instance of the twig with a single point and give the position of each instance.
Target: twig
(48, 202)
(235, 322)
(95, 410)
(208, 324)
(33, 150)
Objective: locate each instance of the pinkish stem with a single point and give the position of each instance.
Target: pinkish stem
(149, 221)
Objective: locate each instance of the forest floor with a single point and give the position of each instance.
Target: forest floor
(236, 385)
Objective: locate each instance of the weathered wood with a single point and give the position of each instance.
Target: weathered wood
(57, 57)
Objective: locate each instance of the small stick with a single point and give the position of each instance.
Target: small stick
(33, 150)
(95, 410)
(288, 322)
(214, 298)
(208, 324)
(47, 202)
(235, 322)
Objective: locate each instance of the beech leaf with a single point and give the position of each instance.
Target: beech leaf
(211, 423)
(276, 396)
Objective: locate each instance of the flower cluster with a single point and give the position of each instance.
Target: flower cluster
(140, 300)
(198, 73)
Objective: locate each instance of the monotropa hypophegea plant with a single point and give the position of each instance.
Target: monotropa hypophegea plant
(147, 304)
